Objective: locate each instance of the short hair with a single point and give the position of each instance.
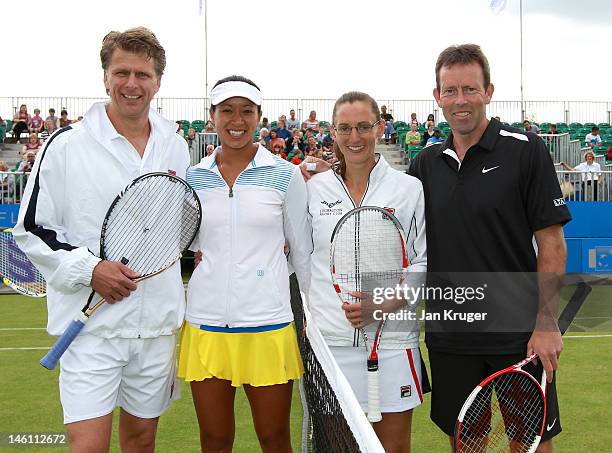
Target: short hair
(589, 152)
(235, 78)
(139, 40)
(594, 128)
(463, 54)
(51, 110)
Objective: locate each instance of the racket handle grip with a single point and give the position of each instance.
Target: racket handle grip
(49, 361)
(374, 414)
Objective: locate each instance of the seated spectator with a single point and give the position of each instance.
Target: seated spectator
(64, 121)
(4, 177)
(47, 130)
(283, 132)
(27, 164)
(311, 146)
(311, 122)
(552, 129)
(327, 144)
(263, 125)
(297, 157)
(413, 137)
(278, 150)
(435, 138)
(321, 135)
(21, 122)
(530, 127)
(431, 118)
(274, 139)
(593, 139)
(33, 145)
(297, 139)
(263, 137)
(429, 132)
(36, 122)
(293, 122)
(54, 119)
(413, 119)
(210, 148)
(389, 129)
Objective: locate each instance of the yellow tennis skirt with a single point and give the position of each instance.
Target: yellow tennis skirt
(255, 358)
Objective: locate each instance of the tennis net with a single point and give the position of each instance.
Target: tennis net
(333, 419)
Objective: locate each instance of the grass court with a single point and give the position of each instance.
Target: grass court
(29, 394)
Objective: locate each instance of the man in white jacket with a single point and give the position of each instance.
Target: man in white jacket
(125, 356)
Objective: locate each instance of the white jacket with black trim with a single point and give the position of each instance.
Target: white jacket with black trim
(328, 201)
(243, 279)
(77, 174)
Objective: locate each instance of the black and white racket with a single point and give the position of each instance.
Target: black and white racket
(16, 269)
(368, 252)
(147, 227)
(507, 410)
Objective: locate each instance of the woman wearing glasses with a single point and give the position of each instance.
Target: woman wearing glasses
(364, 178)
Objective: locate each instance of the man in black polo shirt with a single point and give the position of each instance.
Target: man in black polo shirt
(488, 190)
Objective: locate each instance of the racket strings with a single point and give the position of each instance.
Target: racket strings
(17, 270)
(368, 253)
(509, 411)
(151, 224)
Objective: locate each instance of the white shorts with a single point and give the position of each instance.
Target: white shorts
(137, 374)
(399, 376)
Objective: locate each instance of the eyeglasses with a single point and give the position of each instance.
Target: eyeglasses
(362, 128)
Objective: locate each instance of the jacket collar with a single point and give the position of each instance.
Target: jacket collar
(263, 158)
(98, 124)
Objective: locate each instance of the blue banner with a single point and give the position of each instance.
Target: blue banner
(8, 215)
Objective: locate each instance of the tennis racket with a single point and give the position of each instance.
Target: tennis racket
(507, 411)
(368, 252)
(16, 269)
(147, 227)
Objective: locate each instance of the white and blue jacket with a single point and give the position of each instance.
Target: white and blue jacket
(243, 279)
(76, 176)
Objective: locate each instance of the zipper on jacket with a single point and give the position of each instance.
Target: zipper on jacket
(231, 257)
(231, 192)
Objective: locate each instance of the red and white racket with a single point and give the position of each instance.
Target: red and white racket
(507, 411)
(368, 252)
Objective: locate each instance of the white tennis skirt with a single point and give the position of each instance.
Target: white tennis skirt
(399, 376)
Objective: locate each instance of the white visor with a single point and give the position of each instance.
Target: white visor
(235, 89)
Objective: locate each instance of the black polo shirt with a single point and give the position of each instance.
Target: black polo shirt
(481, 215)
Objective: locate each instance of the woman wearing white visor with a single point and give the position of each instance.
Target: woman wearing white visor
(239, 329)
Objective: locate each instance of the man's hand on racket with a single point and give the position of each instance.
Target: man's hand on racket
(113, 280)
(548, 347)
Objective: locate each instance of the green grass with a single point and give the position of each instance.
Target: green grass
(29, 399)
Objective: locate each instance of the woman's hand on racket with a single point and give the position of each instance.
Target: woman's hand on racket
(353, 313)
(548, 347)
(113, 280)
(197, 258)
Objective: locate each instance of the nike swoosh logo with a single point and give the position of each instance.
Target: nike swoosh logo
(487, 170)
(549, 427)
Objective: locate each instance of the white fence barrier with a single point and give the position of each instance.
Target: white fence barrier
(586, 186)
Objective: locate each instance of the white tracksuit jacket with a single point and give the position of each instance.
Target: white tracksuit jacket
(328, 201)
(243, 279)
(78, 173)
